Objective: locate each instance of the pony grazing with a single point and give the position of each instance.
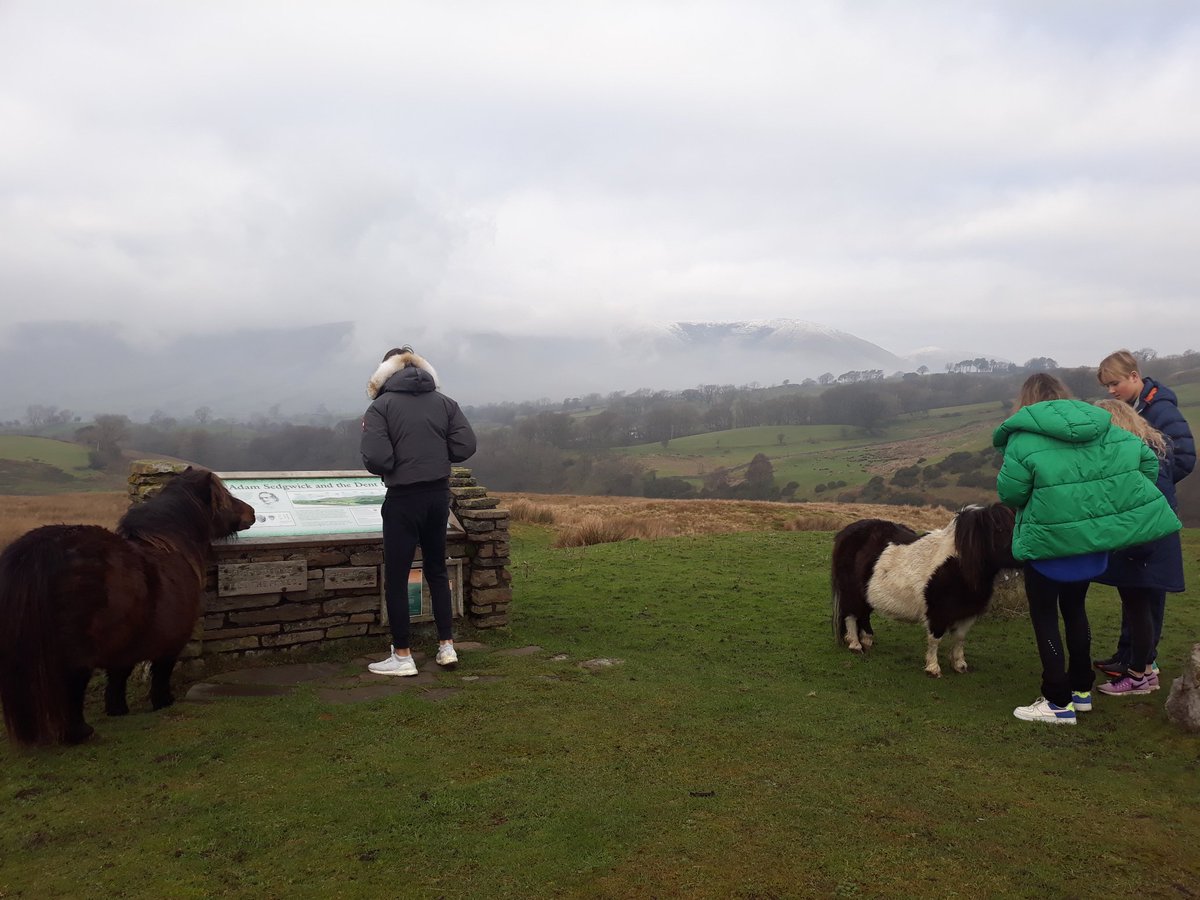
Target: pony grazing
(74, 598)
(943, 579)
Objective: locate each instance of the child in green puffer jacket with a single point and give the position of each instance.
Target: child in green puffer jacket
(1081, 488)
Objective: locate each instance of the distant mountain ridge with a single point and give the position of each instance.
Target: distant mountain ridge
(96, 367)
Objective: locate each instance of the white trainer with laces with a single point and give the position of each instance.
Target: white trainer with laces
(446, 656)
(394, 665)
(1042, 710)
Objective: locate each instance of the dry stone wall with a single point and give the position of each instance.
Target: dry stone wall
(269, 597)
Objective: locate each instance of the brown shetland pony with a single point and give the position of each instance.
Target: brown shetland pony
(74, 598)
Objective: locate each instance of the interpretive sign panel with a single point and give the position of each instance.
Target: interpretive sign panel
(301, 504)
(420, 604)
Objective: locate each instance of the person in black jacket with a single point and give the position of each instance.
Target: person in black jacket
(1157, 404)
(411, 433)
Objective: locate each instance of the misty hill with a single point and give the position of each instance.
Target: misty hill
(101, 367)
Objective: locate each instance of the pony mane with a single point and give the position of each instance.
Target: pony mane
(179, 514)
(978, 533)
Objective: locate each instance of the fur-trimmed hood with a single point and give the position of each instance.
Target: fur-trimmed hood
(391, 366)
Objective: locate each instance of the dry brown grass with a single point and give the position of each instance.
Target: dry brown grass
(19, 514)
(569, 513)
(608, 530)
(522, 510)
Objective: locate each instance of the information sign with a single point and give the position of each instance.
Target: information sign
(301, 504)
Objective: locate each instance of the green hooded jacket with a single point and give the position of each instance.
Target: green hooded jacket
(1078, 483)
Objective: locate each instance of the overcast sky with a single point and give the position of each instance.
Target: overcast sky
(1014, 179)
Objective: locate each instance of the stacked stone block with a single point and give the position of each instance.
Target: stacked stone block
(322, 590)
(488, 587)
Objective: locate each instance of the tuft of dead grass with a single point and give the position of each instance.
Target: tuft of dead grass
(19, 514)
(1008, 598)
(609, 530)
(815, 522)
(522, 510)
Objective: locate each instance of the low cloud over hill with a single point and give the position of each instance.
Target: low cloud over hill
(101, 367)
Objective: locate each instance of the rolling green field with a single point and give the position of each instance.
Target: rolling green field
(732, 751)
(817, 454)
(37, 465)
(811, 455)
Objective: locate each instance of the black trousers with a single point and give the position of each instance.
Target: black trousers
(1062, 672)
(1137, 616)
(416, 518)
(1158, 606)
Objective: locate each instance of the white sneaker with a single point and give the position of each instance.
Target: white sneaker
(1042, 710)
(394, 665)
(446, 656)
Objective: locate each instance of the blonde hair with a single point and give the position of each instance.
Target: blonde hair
(1124, 417)
(1116, 366)
(1040, 387)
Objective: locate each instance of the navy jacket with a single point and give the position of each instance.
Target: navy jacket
(1159, 406)
(1157, 565)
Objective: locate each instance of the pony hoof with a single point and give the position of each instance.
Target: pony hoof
(122, 710)
(961, 668)
(161, 702)
(856, 648)
(934, 673)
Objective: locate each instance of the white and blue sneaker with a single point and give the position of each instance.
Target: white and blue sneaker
(394, 665)
(1042, 710)
(1082, 701)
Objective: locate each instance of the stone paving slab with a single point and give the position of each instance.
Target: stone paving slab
(289, 675)
(205, 691)
(350, 682)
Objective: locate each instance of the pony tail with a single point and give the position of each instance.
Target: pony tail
(32, 686)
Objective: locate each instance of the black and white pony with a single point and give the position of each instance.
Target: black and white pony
(943, 579)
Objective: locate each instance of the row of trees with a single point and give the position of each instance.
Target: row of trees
(566, 447)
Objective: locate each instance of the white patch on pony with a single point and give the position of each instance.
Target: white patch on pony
(958, 656)
(852, 634)
(931, 655)
(897, 586)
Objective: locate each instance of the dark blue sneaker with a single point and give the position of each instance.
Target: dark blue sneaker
(1082, 701)
(1113, 667)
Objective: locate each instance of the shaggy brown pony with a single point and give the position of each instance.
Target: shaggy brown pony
(74, 598)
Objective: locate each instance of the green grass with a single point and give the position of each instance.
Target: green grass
(37, 465)
(60, 454)
(817, 454)
(735, 752)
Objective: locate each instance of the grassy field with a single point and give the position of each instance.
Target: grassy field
(813, 455)
(733, 752)
(36, 465)
(819, 454)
